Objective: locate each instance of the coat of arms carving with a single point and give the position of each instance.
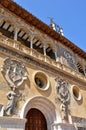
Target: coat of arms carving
(14, 71)
(64, 96)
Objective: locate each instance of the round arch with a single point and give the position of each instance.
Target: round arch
(50, 44)
(45, 106)
(28, 31)
(39, 37)
(9, 21)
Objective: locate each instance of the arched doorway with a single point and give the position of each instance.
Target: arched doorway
(35, 120)
(45, 106)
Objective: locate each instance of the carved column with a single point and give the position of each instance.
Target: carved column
(56, 54)
(84, 70)
(56, 57)
(44, 50)
(31, 42)
(16, 34)
(84, 67)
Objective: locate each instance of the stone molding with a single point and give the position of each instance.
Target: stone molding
(79, 122)
(63, 126)
(7, 122)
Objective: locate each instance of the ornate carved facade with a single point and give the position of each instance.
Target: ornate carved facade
(42, 80)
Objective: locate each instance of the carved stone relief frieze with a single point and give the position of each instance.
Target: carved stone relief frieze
(15, 73)
(62, 93)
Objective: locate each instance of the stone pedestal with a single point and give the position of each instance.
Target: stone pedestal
(7, 123)
(63, 126)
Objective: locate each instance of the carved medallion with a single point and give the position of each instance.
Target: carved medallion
(14, 72)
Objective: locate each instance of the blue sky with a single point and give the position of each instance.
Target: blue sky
(69, 14)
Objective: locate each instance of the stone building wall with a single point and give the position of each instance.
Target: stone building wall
(31, 78)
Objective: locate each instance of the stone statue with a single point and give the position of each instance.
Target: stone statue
(8, 110)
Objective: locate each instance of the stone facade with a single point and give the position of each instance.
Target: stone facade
(38, 71)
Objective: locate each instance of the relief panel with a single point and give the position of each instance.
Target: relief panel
(66, 57)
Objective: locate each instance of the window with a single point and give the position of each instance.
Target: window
(80, 68)
(41, 81)
(7, 29)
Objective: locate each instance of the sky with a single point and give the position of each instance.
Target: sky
(68, 14)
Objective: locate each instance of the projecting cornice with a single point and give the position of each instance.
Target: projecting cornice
(30, 19)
